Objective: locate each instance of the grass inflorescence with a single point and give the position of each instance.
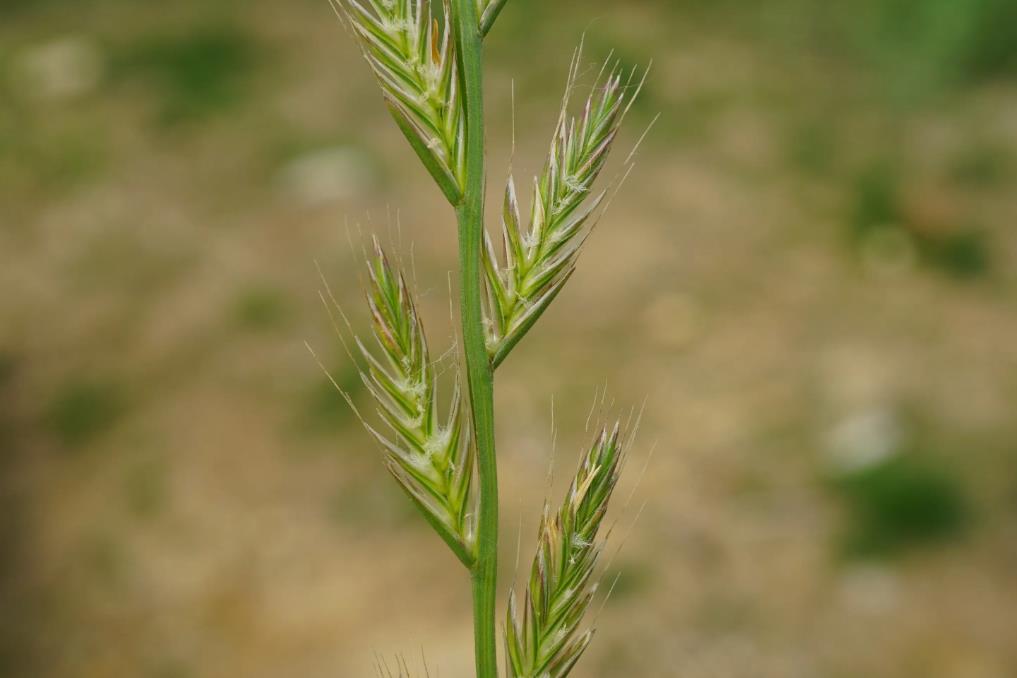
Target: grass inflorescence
(542, 638)
(414, 58)
(429, 67)
(539, 259)
(431, 458)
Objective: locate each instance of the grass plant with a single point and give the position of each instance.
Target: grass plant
(429, 65)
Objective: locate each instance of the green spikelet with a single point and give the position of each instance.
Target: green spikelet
(539, 258)
(432, 459)
(542, 638)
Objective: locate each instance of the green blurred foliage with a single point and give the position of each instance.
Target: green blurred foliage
(960, 251)
(260, 308)
(146, 487)
(198, 72)
(918, 45)
(105, 558)
(54, 156)
(902, 502)
(628, 580)
(964, 255)
(812, 147)
(991, 50)
(371, 509)
(914, 48)
(926, 45)
(324, 410)
(876, 200)
(84, 408)
(61, 159)
(8, 365)
(911, 49)
(13, 7)
(981, 165)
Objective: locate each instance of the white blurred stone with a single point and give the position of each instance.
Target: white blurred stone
(60, 69)
(863, 439)
(327, 175)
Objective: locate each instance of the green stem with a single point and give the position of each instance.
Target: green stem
(479, 372)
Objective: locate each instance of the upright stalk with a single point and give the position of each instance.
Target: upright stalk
(479, 371)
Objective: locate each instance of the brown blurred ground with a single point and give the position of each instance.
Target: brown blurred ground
(811, 277)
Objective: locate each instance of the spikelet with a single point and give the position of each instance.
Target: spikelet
(414, 58)
(539, 260)
(433, 461)
(542, 639)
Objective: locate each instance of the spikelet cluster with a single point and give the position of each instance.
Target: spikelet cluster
(538, 259)
(542, 638)
(414, 58)
(431, 458)
(412, 47)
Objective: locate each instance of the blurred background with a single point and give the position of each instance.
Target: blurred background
(810, 277)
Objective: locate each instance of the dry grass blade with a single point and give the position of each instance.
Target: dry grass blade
(414, 58)
(541, 638)
(538, 260)
(431, 459)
